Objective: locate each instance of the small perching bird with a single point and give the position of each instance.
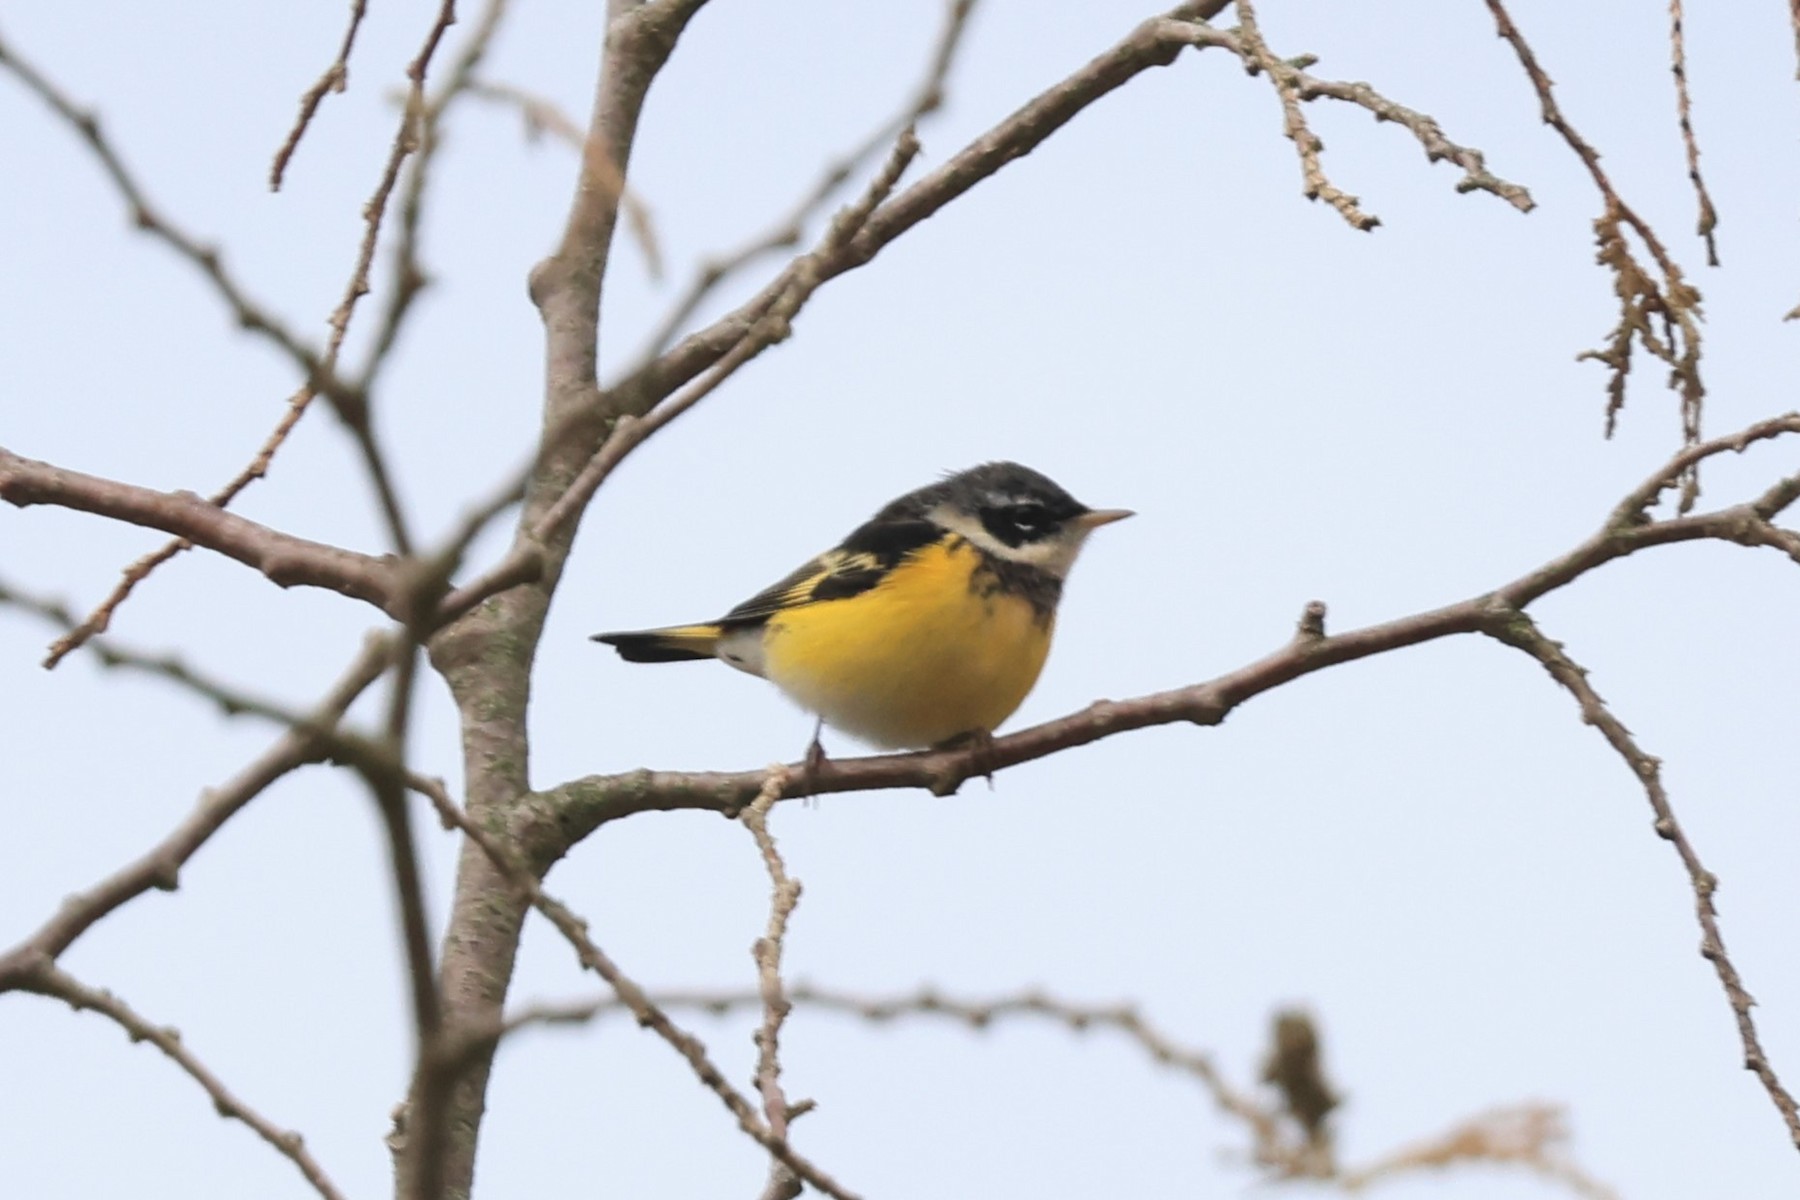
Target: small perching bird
(927, 625)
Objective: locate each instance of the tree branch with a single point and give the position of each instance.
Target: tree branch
(1708, 219)
(47, 979)
(788, 230)
(1154, 43)
(1532, 1136)
(1643, 301)
(472, 1044)
(1522, 633)
(784, 895)
(160, 867)
(286, 561)
(335, 78)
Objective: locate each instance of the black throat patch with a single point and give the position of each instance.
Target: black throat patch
(996, 576)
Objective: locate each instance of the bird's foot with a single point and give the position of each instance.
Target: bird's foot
(979, 745)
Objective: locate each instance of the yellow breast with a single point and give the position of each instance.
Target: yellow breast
(916, 660)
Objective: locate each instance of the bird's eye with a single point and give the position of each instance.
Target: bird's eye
(1018, 523)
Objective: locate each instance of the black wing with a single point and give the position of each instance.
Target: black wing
(858, 564)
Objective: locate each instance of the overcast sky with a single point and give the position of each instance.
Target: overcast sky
(1427, 849)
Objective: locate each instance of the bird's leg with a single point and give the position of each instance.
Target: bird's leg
(815, 760)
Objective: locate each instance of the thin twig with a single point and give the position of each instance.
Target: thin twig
(1532, 1136)
(1708, 219)
(474, 1040)
(784, 895)
(427, 1126)
(160, 866)
(319, 369)
(787, 231)
(541, 116)
(1519, 631)
(1159, 1046)
(1153, 43)
(1425, 130)
(335, 78)
(801, 279)
(1794, 19)
(408, 277)
(286, 560)
(231, 701)
(1315, 185)
(46, 978)
(1644, 303)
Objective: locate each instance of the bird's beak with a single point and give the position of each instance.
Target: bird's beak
(1090, 521)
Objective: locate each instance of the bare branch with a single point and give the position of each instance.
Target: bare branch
(286, 560)
(1520, 632)
(979, 1015)
(230, 701)
(1154, 43)
(1424, 128)
(1532, 1136)
(203, 257)
(335, 78)
(1315, 184)
(1644, 303)
(476, 1039)
(790, 228)
(784, 895)
(160, 867)
(408, 275)
(46, 978)
(319, 369)
(802, 278)
(1709, 217)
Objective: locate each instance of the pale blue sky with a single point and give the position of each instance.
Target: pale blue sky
(1428, 849)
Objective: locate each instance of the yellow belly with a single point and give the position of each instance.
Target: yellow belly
(915, 660)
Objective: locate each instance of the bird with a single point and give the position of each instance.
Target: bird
(926, 627)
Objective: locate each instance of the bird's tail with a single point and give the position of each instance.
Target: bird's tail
(678, 643)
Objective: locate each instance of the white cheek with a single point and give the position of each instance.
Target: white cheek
(1053, 555)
